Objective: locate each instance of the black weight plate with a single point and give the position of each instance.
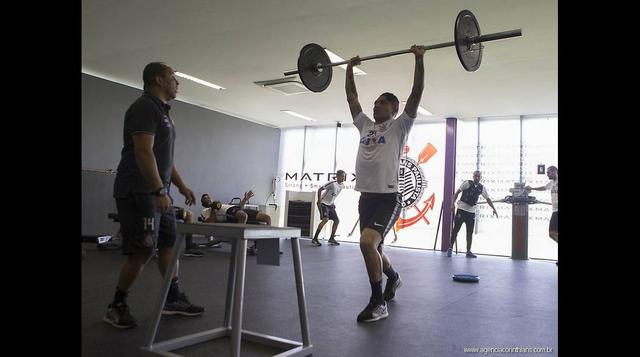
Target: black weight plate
(315, 80)
(467, 27)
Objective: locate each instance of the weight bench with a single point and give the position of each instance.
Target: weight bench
(212, 240)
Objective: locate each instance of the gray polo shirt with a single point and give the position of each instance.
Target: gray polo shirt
(150, 115)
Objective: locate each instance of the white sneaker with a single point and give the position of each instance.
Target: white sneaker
(373, 312)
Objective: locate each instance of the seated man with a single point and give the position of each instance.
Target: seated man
(233, 214)
(190, 248)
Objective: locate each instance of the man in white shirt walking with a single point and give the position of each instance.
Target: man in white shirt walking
(327, 207)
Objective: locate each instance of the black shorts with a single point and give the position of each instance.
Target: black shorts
(465, 217)
(143, 228)
(231, 214)
(329, 212)
(379, 211)
(553, 223)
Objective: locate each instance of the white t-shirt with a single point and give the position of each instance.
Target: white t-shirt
(331, 191)
(379, 152)
(221, 215)
(465, 206)
(553, 186)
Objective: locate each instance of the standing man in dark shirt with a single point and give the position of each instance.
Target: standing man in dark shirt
(141, 190)
(466, 213)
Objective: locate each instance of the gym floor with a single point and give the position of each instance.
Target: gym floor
(513, 305)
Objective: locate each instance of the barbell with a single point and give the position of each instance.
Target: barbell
(315, 67)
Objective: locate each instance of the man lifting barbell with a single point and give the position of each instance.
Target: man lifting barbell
(377, 164)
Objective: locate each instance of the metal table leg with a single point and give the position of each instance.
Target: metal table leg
(236, 318)
(157, 310)
(302, 307)
(231, 285)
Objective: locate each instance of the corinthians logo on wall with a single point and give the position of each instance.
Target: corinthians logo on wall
(412, 183)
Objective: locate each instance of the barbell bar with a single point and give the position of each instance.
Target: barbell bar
(315, 67)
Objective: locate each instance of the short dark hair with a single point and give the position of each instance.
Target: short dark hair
(552, 168)
(152, 70)
(393, 99)
(202, 197)
(340, 172)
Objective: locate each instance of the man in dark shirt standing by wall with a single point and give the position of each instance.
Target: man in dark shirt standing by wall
(471, 191)
(141, 190)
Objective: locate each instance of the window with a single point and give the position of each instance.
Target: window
(499, 163)
(505, 150)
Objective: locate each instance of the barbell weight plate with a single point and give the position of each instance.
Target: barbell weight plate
(467, 27)
(310, 56)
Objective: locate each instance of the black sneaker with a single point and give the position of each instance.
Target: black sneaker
(373, 312)
(471, 255)
(332, 241)
(193, 253)
(182, 306)
(391, 287)
(119, 316)
(315, 242)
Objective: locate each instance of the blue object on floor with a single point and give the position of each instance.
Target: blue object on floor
(466, 278)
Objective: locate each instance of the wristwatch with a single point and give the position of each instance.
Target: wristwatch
(159, 192)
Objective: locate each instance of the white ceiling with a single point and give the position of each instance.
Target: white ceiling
(235, 43)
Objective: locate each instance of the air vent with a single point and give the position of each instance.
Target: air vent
(287, 86)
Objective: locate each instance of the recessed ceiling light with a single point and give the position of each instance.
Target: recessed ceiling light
(297, 115)
(335, 58)
(199, 81)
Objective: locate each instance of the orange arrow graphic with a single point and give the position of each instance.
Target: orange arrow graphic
(403, 223)
(423, 217)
